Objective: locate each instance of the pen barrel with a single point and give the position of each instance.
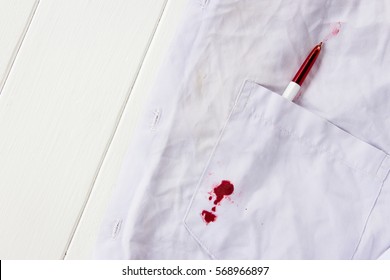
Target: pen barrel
(300, 76)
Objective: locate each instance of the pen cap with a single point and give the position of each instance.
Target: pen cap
(291, 91)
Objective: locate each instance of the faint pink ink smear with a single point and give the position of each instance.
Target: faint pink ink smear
(335, 29)
(223, 190)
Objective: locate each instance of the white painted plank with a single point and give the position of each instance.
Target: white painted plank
(82, 244)
(58, 111)
(15, 18)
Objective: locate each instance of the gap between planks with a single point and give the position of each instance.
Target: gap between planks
(19, 45)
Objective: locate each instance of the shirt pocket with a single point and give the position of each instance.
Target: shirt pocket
(284, 183)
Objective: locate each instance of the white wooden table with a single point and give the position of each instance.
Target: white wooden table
(74, 76)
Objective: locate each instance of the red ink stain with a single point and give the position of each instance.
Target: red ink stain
(208, 217)
(335, 29)
(223, 190)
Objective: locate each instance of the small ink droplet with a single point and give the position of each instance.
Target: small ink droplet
(224, 189)
(208, 217)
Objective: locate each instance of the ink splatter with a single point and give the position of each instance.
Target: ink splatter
(208, 217)
(223, 190)
(335, 29)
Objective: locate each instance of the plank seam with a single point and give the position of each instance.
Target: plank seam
(19, 45)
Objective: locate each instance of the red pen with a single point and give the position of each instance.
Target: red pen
(295, 85)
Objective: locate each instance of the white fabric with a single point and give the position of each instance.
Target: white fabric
(310, 179)
(385, 255)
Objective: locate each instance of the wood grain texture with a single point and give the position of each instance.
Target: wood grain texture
(15, 18)
(58, 112)
(83, 242)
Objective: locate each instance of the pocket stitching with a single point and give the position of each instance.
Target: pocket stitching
(317, 148)
(384, 167)
(368, 218)
(232, 110)
(200, 242)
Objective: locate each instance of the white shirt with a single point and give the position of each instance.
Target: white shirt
(288, 181)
